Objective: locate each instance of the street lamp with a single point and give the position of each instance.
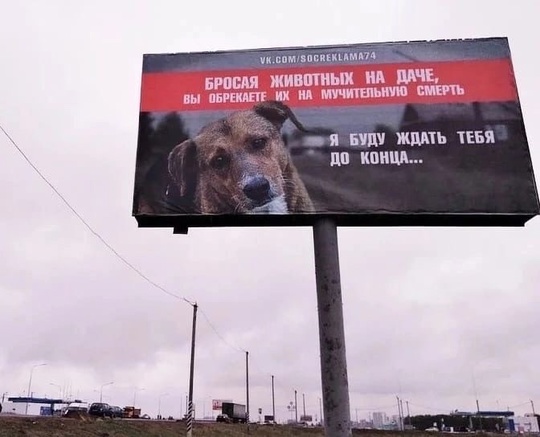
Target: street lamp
(58, 386)
(30, 383)
(159, 404)
(135, 395)
(101, 390)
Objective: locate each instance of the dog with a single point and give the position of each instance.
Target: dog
(240, 165)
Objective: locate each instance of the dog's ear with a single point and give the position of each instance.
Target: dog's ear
(277, 113)
(184, 167)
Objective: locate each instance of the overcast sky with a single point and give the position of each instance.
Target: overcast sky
(440, 317)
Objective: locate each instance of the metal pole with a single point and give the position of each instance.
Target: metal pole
(304, 403)
(295, 407)
(135, 395)
(30, 383)
(399, 413)
(247, 387)
(29, 386)
(335, 384)
(189, 427)
(532, 406)
(408, 413)
(402, 423)
(273, 401)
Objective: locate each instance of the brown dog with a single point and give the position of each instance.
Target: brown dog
(239, 164)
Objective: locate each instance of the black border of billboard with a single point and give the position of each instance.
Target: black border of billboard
(182, 223)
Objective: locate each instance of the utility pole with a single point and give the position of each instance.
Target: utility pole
(408, 413)
(189, 427)
(295, 407)
(402, 423)
(399, 413)
(304, 403)
(273, 401)
(247, 387)
(532, 406)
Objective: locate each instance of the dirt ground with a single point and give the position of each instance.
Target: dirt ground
(12, 426)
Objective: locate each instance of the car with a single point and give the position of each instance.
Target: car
(117, 412)
(223, 418)
(75, 406)
(100, 409)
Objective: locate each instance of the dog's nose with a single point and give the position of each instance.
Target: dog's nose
(257, 189)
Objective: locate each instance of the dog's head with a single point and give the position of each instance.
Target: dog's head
(237, 164)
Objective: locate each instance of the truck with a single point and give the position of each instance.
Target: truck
(132, 412)
(235, 412)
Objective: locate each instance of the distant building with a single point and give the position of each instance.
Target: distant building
(523, 424)
(13, 408)
(364, 424)
(397, 422)
(379, 420)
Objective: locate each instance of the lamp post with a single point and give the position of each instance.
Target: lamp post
(30, 383)
(295, 406)
(273, 401)
(135, 395)
(101, 390)
(59, 387)
(159, 404)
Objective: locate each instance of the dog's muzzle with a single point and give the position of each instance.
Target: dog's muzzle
(258, 190)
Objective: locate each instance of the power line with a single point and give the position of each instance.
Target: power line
(87, 225)
(236, 348)
(109, 246)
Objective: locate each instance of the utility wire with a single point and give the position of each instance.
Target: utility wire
(236, 348)
(108, 245)
(90, 228)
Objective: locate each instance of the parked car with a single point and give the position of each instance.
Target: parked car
(75, 406)
(117, 412)
(100, 409)
(223, 418)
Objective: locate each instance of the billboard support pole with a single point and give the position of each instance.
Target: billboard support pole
(335, 385)
(190, 417)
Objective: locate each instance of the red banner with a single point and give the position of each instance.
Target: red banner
(342, 85)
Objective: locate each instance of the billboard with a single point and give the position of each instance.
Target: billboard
(406, 133)
(217, 403)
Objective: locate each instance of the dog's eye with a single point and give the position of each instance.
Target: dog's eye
(219, 162)
(258, 143)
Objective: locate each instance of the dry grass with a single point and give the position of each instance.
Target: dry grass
(12, 426)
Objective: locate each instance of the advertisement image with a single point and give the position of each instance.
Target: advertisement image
(416, 133)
